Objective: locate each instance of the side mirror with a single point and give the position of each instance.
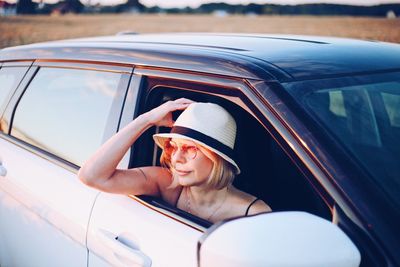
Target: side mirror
(277, 239)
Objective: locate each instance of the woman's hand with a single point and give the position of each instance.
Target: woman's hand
(162, 115)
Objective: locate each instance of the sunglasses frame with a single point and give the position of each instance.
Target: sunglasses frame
(183, 147)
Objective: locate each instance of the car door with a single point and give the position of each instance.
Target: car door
(129, 231)
(53, 122)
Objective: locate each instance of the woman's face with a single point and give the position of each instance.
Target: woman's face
(190, 165)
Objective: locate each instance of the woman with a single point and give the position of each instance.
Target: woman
(198, 169)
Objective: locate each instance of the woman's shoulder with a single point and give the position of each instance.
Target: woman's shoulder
(156, 173)
(257, 206)
(247, 203)
(164, 180)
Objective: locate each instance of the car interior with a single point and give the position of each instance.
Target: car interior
(266, 171)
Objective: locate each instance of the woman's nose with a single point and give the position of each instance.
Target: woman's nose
(178, 156)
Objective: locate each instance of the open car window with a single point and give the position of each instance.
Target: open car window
(267, 172)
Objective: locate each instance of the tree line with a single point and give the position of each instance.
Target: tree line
(134, 6)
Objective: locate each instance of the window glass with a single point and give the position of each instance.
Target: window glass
(336, 104)
(9, 79)
(65, 111)
(363, 114)
(357, 121)
(392, 104)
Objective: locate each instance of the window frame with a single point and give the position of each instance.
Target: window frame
(235, 90)
(112, 122)
(26, 65)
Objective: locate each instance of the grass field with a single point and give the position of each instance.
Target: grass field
(29, 29)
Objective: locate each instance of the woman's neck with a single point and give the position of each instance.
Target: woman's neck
(201, 196)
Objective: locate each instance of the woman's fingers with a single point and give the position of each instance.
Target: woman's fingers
(171, 106)
(181, 103)
(184, 100)
(162, 115)
(168, 121)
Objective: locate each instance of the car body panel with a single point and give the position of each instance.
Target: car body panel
(36, 199)
(143, 230)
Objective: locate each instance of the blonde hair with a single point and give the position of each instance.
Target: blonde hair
(222, 174)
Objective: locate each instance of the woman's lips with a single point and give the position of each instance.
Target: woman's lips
(182, 173)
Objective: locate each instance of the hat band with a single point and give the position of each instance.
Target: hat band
(214, 143)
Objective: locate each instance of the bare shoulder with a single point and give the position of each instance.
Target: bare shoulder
(163, 179)
(244, 200)
(258, 207)
(156, 173)
(160, 176)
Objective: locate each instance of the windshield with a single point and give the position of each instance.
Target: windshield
(363, 114)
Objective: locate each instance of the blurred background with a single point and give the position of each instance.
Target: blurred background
(29, 21)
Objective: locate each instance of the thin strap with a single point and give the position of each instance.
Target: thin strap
(248, 208)
(145, 177)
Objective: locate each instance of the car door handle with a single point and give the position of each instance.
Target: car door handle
(3, 170)
(130, 256)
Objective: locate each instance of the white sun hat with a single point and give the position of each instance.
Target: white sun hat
(207, 124)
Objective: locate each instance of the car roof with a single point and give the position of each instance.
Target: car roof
(256, 56)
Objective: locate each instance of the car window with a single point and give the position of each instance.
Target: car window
(266, 171)
(391, 101)
(65, 111)
(9, 80)
(362, 113)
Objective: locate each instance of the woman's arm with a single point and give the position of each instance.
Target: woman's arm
(100, 171)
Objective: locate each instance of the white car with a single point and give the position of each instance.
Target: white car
(292, 99)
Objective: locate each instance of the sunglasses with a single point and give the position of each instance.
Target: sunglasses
(189, 151)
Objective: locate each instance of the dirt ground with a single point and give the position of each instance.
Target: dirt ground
(30, 29)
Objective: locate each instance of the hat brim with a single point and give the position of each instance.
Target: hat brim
(160, 139)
